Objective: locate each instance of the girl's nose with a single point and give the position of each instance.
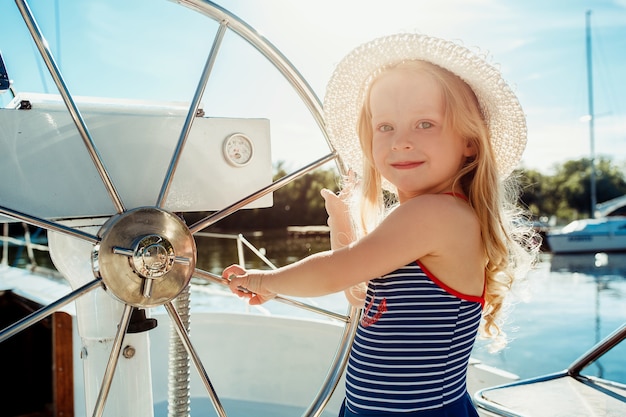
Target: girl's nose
(402, 140)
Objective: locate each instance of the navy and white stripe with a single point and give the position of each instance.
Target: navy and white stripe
(413, 344)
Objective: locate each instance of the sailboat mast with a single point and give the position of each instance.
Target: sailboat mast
(592, 153)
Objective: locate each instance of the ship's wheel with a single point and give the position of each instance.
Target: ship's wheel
(133, 244)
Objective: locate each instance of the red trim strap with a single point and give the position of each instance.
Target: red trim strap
(457, 195)
(452, 291)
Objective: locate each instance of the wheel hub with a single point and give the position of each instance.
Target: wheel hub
(145, 257)
(153, 256)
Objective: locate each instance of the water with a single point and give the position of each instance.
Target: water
(281, 248)
(566, 304)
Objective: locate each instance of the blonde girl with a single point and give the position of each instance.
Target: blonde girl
(433, 127)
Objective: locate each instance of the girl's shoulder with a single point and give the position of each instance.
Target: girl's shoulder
(446, 237)
(436, 206)
(433, 228)
(442, 219)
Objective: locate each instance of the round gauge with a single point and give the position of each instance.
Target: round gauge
(238, 149)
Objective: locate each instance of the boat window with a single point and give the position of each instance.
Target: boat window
(618, 212)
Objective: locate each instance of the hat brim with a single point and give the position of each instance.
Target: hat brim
(345, 93)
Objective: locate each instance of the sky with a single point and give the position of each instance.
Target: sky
(539, 46)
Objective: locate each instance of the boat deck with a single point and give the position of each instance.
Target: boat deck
(572, 397)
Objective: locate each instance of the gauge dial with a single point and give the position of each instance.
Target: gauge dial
(238, 149)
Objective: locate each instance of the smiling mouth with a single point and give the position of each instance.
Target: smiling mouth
(406, 165)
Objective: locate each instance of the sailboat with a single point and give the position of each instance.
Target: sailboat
(603, 232)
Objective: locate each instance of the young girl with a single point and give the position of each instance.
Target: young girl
(433, 126)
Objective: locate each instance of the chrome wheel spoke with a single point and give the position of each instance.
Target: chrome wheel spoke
(285, 300)
(219, 215)
(48, 310)
(48, 58)
(48, 225)
(112, 363)
(193, 110)
(184, 338)
(337, 367)
(273, 55)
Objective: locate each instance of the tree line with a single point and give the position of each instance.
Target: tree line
(564, 195)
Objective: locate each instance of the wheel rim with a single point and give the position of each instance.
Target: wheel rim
(141, 265)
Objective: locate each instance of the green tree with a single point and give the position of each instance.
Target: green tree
(298, 203)
(610, 182)
(567, 193)
(533, 193)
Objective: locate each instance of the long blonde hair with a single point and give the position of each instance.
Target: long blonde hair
(505, 238)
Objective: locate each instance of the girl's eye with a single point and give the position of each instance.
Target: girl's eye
(385, 128)
(424, 125)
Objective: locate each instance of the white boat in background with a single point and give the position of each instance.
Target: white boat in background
(606, 234)
(613, 207)
(605, 231)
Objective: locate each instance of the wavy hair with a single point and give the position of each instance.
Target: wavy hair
(508, 242)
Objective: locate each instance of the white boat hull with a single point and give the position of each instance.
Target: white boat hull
(590, 235)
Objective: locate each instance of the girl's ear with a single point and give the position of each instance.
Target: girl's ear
(470, 148)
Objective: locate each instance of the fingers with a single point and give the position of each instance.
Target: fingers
(257, 299)
(246, 285)
(326, 193)
(238, 286)
(348, 187)
(331, 200)
(233, 270)
(349, 182)
(236, 277)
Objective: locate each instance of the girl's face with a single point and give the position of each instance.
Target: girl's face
(412, 146)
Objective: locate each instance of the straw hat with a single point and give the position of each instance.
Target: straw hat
(348, 84)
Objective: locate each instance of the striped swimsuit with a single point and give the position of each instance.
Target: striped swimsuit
(412, 347)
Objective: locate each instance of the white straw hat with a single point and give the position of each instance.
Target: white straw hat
(348, 84)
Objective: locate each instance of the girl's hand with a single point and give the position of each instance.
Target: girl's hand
(341, 229)
(336, 205)
(247, 284)
(339, 203)
(338, 209)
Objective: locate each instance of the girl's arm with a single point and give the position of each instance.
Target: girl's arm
(342, 233)
(425, 226)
